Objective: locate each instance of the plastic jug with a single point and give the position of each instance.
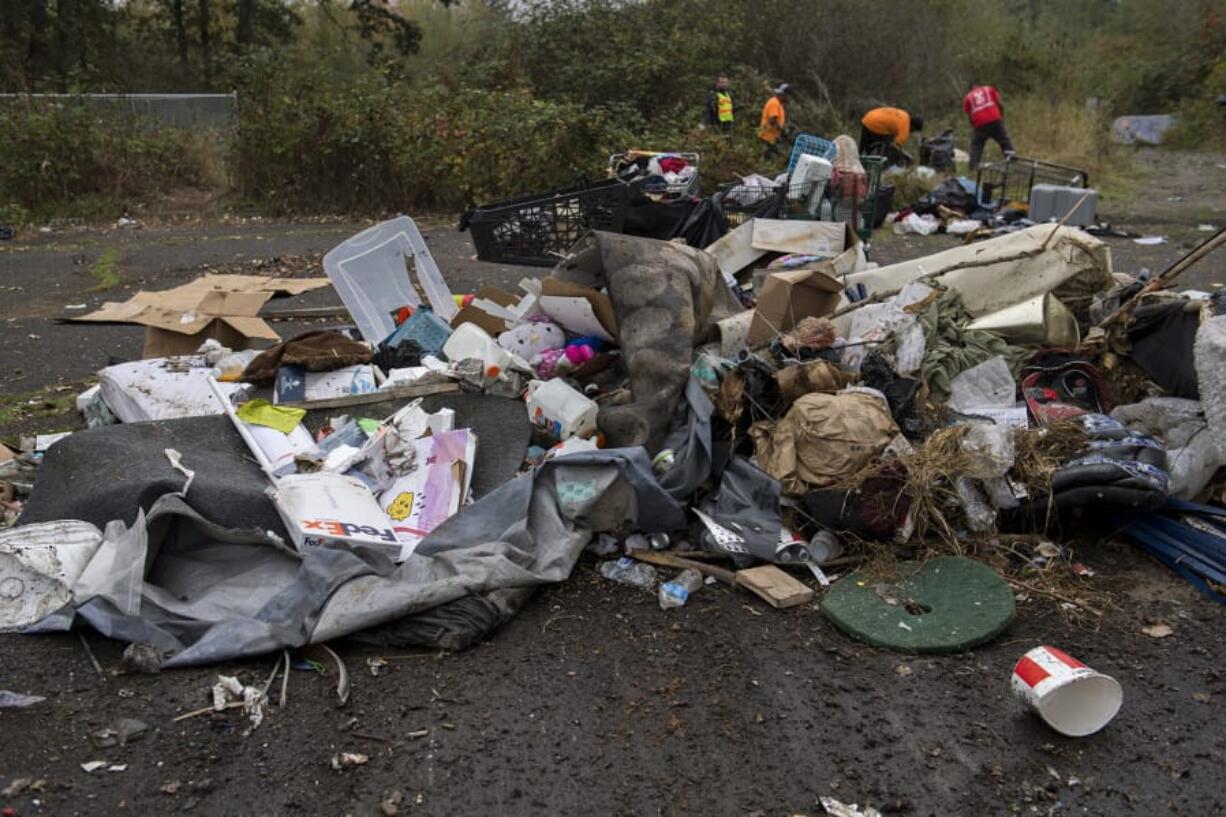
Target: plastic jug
(370, 274)
(471, 341)
(555, 406)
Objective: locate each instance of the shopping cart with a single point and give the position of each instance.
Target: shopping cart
(853, 199)
(741, 202)
(631, 165)
(1010, 180)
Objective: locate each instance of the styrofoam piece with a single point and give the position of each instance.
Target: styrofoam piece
(370, 274)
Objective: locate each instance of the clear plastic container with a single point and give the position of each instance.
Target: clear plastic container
(370, 273)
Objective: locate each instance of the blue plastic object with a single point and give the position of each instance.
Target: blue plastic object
(1188, 538)
(425, 328)
(812, 145)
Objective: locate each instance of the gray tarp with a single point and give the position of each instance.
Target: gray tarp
(213, 594)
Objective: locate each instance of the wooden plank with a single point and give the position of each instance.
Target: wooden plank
(774, 586)
(383, 395)
(333, 311)
(662, 558)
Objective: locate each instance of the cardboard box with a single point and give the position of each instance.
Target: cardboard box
(578, 309)
(491, 309)
(789, 295)
(222, 307)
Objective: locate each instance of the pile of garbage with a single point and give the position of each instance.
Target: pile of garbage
(769, 412)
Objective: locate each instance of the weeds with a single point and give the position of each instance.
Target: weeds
(104, 271)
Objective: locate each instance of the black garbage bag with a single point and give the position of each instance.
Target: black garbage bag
(900, 393)
(938, 151)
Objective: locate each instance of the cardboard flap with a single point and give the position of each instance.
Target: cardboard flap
(799, 236)
(490, 309)
(557, 293)
(251, 327)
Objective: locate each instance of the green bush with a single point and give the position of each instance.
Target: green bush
(70, 159)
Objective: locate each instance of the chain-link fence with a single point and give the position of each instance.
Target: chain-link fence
(186, 111)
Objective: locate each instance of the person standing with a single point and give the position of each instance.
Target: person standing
(718, 113)
(773, 125)
(982, 104)
(887, 126)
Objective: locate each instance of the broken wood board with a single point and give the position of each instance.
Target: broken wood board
(382, 395)
(775, 587)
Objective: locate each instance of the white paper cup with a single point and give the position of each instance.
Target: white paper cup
(1072, 698)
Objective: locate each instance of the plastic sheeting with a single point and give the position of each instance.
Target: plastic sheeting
(211, 593)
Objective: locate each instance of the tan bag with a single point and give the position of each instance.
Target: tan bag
(822, 439)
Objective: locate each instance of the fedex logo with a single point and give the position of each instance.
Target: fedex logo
(341, 529)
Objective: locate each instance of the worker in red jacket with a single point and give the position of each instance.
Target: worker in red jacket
(982, 105)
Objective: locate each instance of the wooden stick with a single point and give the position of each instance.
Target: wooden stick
(1169, 274)
(90, 654)
(666, 559)
(204, 710)
(1056, 596)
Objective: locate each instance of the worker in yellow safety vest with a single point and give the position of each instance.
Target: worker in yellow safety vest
(718, 113)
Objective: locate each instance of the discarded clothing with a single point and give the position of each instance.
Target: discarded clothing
(951, 348)
(317, 351)
(1162, 336)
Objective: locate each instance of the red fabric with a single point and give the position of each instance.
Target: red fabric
(982, 105)
(673, 164)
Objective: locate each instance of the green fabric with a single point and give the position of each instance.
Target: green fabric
(951, 348)
(966, 602)
(264, 413)
(368, 425)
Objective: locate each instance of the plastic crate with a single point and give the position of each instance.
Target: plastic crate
(538, 230)
(424, 328)
(741, 202)
(857, 205)
(812, 145)
(678, 190)
(1011, 180)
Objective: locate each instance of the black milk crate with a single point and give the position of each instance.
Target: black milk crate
(538, 230)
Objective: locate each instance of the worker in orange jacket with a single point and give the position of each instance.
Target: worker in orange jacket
(887, 126)
(773, 128)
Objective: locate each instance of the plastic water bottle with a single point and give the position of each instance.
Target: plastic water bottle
(629, 571)
(677, 592)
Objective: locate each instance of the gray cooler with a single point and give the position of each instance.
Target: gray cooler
(1050, 202)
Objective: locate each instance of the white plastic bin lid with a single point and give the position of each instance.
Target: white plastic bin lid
(370, 273)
